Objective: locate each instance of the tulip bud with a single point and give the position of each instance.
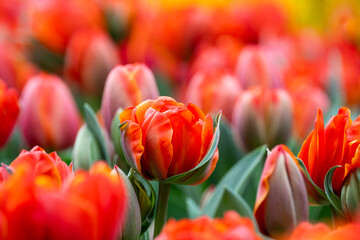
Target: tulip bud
(9, 111)
(126, 86)
(256, 67)
(49, 117)
(262, 116)
(89, 58)
(213, 91)
(350, 194)
(86, 150)
(281, 200)
(132, 227)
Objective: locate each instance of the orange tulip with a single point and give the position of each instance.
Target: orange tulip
(231, 226)
(213, 91)
(54, 30)
(41, 163)
(49, 117)
(127, 86)
(90, 56)
(90, 205)
(306, 231)
(9, 111)
(281, 181)
(162, 138)
(328, 147)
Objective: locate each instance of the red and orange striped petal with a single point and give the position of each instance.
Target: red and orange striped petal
(157, 136)
(132, 141)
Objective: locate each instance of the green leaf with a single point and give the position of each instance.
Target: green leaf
(235, 179)
(193, 210)
(333, 198)
(230, 200)
(194, 174)
(313, 186)
(93, 124)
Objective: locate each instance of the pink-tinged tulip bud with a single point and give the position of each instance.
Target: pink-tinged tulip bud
(307, 100)
(89, 58)
(281, 200)
(9, 111)
(262, 116)
(258, 66)
(49, 117)
(213, 91)
(126, 86)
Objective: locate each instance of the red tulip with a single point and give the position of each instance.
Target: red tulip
(213, 91)
(42, 164)
(329, 146)
(262, 116)
(49, 117)
(52, 29)
(127, 86)
(90, 205)
(90, 56)
(231, 226)
(281, 181)
(9, 111)
(163, 138)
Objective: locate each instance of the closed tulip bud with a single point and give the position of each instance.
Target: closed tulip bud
(262, 116)
(126, 86)
(350, 194)
(164, 140)
(281, 200)
(49, 117)
(9, 111)
(256, 66)
(213, 91)
(89, 58)
(86, 150)
(132, 227)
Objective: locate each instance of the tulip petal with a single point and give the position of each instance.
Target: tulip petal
(186, 140)
(132, 144)
(157, 138)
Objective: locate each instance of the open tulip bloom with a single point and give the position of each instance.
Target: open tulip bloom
(165, 141)
(328, 156)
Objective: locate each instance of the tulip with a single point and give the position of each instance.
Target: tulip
(49, 117)
(212, 91)
(231, 226)
(350, 194)
(162, 138)
(40, 163)
(126, 86)
(256, 66)
(132, 227)
(86, 149)
(262, 116)
(306, 231)
(90, 56)
(89, 205)
(327, 147)
(9, 111)
(307, 100)
(54, 33)
(281, 182)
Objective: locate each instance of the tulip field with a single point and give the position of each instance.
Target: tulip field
(179, 120)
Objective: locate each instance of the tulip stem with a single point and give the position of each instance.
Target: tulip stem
(161, 207)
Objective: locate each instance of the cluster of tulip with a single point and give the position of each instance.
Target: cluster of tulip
(262, 74)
